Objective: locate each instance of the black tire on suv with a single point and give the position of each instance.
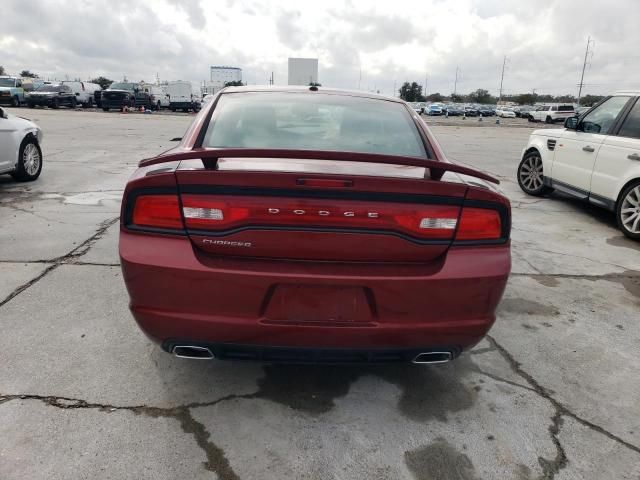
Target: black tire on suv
(530, 175)
(621, 203)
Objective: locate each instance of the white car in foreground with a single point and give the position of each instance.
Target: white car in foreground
(596, 158)
(20, 153)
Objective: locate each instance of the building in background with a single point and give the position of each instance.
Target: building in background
(220, 75)
(303, 71)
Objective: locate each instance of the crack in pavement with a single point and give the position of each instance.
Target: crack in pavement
(77, 252)
(217, 461)
(551, 467)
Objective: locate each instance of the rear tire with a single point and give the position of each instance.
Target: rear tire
(548, 120)
(531, 176)
(628, 211)
(31, 105)
(15, 102)
(105, 109)
(74, 103)
(29, 161)
(55, 104)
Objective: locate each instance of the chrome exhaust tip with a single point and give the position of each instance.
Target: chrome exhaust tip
(193, 352)
(433, 357)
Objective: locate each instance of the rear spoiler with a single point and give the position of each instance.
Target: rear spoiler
(210, 156)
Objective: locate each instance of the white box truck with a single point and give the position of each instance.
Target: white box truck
(181, 96)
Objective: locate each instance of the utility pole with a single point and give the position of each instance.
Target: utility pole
(455, 84)
(504, 64)
(584, 66)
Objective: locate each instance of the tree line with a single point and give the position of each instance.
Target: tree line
(412, 92)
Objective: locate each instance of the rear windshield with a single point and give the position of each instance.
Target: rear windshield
(565, 108)
(302, 121)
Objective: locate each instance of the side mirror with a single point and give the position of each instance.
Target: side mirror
(571, 123)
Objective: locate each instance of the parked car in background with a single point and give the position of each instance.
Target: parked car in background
(486, 111)
(523, 111)
(453, 111)
(84, 91)
(504, 112)
(269, 235)
(417, 107)
(596, 158)
(470, 111)
(159, 96)
(435, 110)
(52, 95)
(552, 113)
(125, 94)
(181, 96)
(11, 91)
(20, 153)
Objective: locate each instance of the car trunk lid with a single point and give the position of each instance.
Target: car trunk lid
(312, 209)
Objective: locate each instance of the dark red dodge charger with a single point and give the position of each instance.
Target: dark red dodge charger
(312, 225)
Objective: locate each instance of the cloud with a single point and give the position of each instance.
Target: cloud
(373, 45)
(194, 12)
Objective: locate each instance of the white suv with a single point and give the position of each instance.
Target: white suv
(596, 157)
(552, 113)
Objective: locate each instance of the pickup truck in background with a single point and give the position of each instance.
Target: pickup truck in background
(11, 91)
(124, 94)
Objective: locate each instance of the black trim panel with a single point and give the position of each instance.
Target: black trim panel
(322, 194)
(580, 194)
(279, 228)
(311, 355)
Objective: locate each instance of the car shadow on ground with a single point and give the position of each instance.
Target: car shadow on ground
(426, 391)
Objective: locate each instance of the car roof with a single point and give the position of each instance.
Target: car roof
(627, 92)
(303, 89)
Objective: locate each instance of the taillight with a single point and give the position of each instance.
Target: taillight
(479, 224)
(159, 211)
(203, 212)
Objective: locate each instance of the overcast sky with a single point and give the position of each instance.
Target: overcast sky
(388, 42)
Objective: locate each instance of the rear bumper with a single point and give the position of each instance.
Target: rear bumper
(315, 355)
(180, 105)
(178, 294)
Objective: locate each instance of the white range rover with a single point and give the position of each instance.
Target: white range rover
(595, 157)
